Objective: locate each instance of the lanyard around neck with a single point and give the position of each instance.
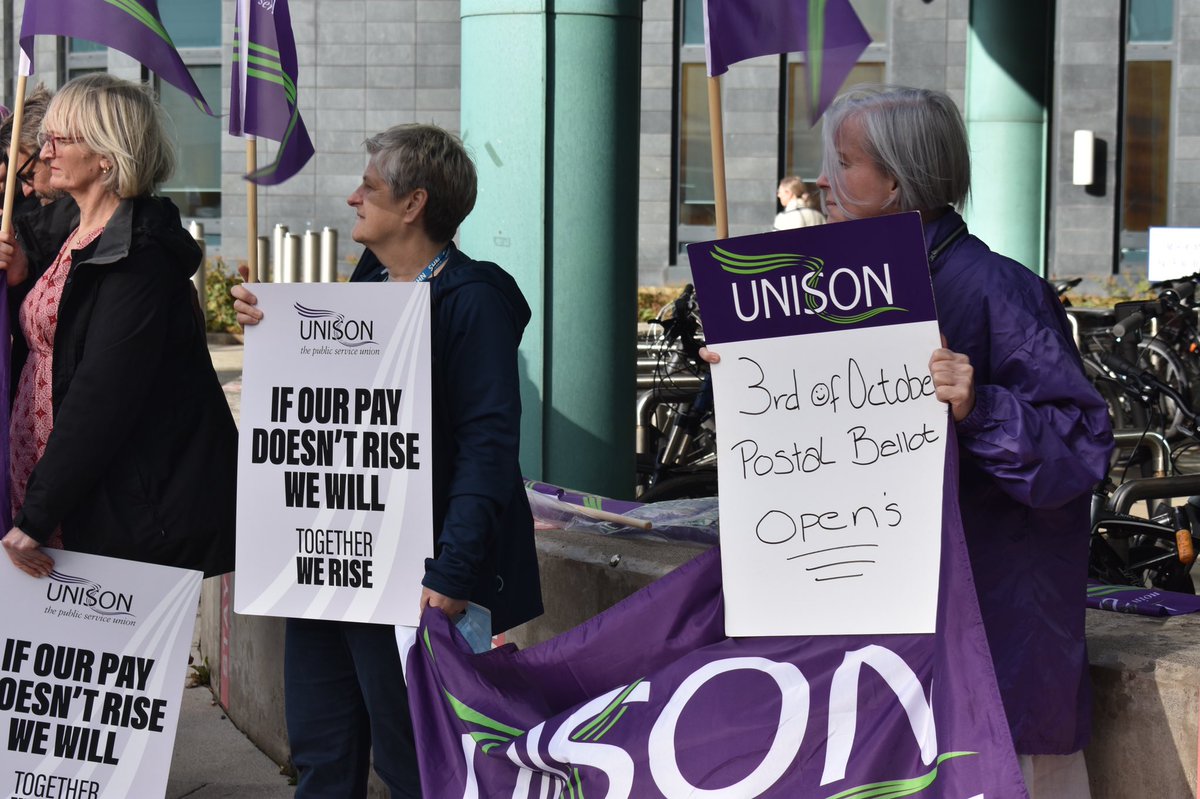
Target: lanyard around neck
(428, 271)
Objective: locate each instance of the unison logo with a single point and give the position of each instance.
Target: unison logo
(88, 594)
(854, 294)
(321, 325)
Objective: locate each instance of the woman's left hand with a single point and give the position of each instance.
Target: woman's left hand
(448, 605)
(953, 380)
(27, 554)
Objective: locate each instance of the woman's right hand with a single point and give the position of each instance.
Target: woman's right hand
(244, 301)
(708, 356)
(12, 259)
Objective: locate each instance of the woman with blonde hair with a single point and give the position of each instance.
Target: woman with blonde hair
(122, 443)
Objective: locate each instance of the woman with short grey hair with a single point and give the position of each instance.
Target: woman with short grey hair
(118, 414)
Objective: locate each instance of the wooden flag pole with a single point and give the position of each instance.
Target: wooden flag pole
(252, 210)
(718, 156)
(14, 151)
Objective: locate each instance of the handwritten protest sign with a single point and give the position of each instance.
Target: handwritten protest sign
(334, 478)
(831, 440)
(92, 664)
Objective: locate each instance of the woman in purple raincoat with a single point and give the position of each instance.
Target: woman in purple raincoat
(1033, 434)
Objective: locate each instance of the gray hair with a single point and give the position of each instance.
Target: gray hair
(414, 156)
(915, 136)
(120, 121)
(36, 103)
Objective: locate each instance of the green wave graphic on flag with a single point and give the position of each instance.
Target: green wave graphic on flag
(1108, 590)
(264, 64)
(896, 789)
(143, 16)
(758, 264)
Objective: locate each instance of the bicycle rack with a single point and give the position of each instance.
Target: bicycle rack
(1132, 491)
(1160, 450)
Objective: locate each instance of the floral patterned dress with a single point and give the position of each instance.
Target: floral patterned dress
(33, 411)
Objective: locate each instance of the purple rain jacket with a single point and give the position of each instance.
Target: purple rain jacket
(1036, 442)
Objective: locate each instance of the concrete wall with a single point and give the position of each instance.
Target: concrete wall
(1087, 50)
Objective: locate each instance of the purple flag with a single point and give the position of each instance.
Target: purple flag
(651, 699)
(1143, 601)
(131, 26)
(827, 31)
(262, 91)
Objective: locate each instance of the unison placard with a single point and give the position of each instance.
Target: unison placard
(334, 478)
(831, 440)
(92, 664)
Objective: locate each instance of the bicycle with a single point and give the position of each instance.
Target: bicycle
(676, 433)
(1159, 550)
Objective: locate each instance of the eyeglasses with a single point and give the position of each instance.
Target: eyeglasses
(55, 141)
(26, 169)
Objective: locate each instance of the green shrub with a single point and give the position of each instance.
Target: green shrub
(218, 280)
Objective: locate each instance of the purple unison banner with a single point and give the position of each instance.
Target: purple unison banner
(652, 699)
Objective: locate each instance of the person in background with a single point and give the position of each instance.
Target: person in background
(1033, 434)
(343, 689)
(33, 176)
(122, 443)
(800, 207)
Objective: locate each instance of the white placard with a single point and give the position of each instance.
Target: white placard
(830, 503)
(832, 444)
(334, 472)
(1174, 252)
(92, 666)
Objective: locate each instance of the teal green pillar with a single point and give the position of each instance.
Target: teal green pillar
(1009, 52)
(550, 109)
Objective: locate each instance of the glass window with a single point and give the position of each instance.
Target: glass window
(874, 16)
(1146, 144)
(1151, 20)
(83, 46)
(696, 203)
(192, 23)
(196, 185)
(803, 143)
(693, 22)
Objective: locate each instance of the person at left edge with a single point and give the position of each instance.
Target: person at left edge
(122, 441)
(343, 691)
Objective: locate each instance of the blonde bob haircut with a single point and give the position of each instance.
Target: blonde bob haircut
(915, 136)
(119, 121)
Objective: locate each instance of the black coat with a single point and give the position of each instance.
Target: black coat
(483, 528)
(142, 461)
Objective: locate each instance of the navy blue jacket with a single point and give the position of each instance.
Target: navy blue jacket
(483, 528)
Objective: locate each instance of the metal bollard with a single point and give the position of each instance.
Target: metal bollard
(312, 257)
(279, 237)
(196, 229)
(264, 257)
(291, 259)
(329, 255)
